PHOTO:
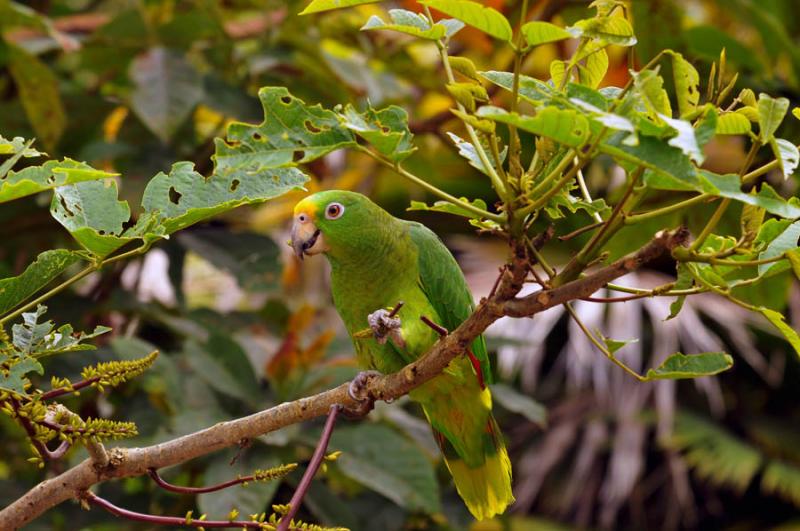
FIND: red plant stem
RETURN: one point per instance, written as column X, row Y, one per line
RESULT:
column 65, row 391
column 177, row 521
column 396, row 308
column 313, row 466
column 40, row 446
column 442, row 331
column 153, row 473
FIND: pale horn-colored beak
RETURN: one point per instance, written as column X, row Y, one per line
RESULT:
column 306, row 238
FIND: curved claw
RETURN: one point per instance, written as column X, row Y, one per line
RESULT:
column 358, row 392
column 386, row 326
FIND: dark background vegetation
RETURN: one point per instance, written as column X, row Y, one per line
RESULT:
column 133, row 86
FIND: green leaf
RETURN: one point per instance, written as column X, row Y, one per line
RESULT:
column 565, row 126
column 379, row 458
column 386, row 129
column 29, row 334
column 558, row 72
column 474, row 14
column 606, row 119
column 777, row 319
column 468, row 151
column 516, row 402
column 538, row 32
column 612, row 30
column 686, row 81
column 668, row 168
column 729, row 186
column 679, row 366
column 614, row 345
column 594, row 69
column 18, row 145
column 38, row 91
column 166, row 90
column 733, row 123
column 530, row 88
column 782, row 478
column 771, row 112
column 184, row 197
column 253, row 498
column 407, row 22
column 750, row 222
column 91, row 212
column 685, row 140
column 787, row 155
column 291, row 133
column 684, row 280
column 785, row 241
column 650, row 87
column 794, row 259
column 463, row 66
column 448, row 207
column 47, row 266
column 49, row 175
column 318, row 6
column 65, row 339
column 14, row 380
column 223, row 364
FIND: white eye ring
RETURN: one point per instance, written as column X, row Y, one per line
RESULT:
column 334, row 211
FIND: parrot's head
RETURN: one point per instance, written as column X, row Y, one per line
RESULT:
column 336, row 222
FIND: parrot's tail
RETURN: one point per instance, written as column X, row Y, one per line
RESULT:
column 485, row 486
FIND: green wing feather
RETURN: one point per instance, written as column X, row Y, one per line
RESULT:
column 443, row 283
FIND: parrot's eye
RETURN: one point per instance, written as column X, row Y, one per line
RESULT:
column 302, row 218
column 334, row 211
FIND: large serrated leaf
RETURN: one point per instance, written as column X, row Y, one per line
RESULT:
column 318, row 6
column 291, row 133
column 474, row 14
column 49, row 175
column 679, row 366
column 47, row 266
column 565, row 126
column 378, row 457
column 386, row 129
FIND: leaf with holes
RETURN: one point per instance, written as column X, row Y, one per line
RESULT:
column 47, row 266
column 407, row 22
column 680, row 366
column 565, row 126
column 539, row 32
column 51, row 174
column 474, row 14
column 386, row 129
column 318, row 6
column 94, row 216
column 291, row 133
column 686, row 81
column 450, row 208
column 14, row 380
column 18, row 145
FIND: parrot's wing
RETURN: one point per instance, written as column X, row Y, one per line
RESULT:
column 443, row 283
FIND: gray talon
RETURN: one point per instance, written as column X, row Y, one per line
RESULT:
column 358, row 385
column 385, row 327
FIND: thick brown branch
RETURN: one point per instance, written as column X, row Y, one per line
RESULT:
column 126, row 462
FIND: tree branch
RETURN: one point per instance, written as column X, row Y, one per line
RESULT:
column 127, row 462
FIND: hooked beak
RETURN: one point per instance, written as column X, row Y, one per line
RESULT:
column 306, row 238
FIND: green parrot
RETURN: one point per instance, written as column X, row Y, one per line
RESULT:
column 378, row 260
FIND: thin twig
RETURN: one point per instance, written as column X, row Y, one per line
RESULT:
column 442, row 331
column 313, row 466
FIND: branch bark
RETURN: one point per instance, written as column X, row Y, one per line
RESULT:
column 127, row 462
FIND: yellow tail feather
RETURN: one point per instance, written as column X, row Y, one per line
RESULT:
column 486, row 490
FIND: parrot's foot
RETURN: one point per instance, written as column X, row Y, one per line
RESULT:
column 386, row 326
column 358, row 392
